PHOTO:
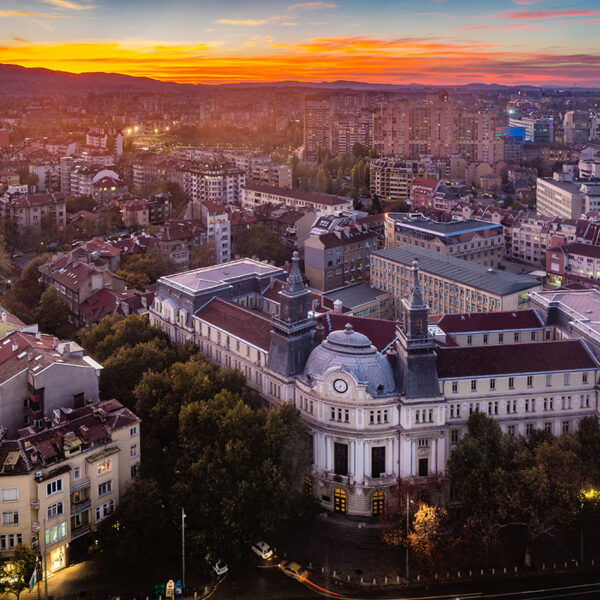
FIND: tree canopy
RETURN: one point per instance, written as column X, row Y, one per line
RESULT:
column 263, row 242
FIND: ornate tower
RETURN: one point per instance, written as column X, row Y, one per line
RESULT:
column 416, row 346
column 293, row 331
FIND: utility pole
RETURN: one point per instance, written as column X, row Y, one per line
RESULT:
column 45, row 559
column 407, row 527
column 183, row 549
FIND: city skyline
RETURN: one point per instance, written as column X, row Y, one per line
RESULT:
column 439, row 42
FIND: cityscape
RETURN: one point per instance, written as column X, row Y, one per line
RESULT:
column 299, row 301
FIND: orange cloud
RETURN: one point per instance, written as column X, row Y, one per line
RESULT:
column 312, row 5
column 22, row 13
column 401, row 60
column 547, row 14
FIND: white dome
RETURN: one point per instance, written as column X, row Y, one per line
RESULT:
column 353, row 352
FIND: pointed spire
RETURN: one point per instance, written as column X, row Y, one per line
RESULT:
column 417, row 294
column 294, row 283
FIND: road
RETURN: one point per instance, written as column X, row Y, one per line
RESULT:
column 270, row 583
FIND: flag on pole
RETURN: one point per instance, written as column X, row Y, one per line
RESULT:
column 33, row 580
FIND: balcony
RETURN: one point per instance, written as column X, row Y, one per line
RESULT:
column 35, row 526
column 35, row 413
column 384, row 479
column 80, row 507
column 35, row 504
column 81, row 484
column 77, row 532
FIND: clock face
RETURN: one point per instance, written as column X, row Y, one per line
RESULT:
column 340, row 386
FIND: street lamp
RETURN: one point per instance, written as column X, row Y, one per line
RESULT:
column 183, row 515
column 408, row 503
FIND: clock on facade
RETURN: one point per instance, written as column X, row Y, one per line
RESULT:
column 340, row 386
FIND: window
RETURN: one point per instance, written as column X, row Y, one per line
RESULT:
column 10, row 517
column 548, row 427
column 492, row 384
column 493, row 408
column 53, row 487
column 423, row 467
column 10, row 494
column 565, row 426
column 584, row 378
column 529, row 380
column 308, row 486
column 473, row 385
column 133, row 431
column 104, row 466
column 566, row 378
column 511, row 430
column 516, row 336
column 511, row 383
column 134, row 471
column 455, row 387
column 56, row 509
column 533, row 336
column 9, row 541
column 500, row 338
column 528, row 429
column 56, row 533
column 454, row 436
column 378, row 503
column 133, row 451
column 548, row 380
column 332, row 414
column 104, row 510
column 469, row 339
column 485, row 338
column 105, row 488
column 339, row 501
column 76, row 473
column 423, row 442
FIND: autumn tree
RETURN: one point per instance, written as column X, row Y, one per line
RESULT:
column 427, row 539
column 16, row 573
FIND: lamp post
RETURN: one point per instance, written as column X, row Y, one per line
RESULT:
column 183, row 548
column 407, row 527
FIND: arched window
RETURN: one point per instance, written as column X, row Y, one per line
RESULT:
column 308, row 489
column 339, row 501
column 378, row 503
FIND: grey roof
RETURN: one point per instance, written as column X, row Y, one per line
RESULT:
column 217, row 275
column 443, row 229
column 355, row 294
column 353, row 352
column 500, row 283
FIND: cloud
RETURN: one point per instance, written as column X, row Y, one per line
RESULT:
column 504, row 27
column 68, row 4
column 399, row 60
column 20, row 40
column 244, row 22
column 22, row 13
column 547, row 14
column 526, row 2
column 312, row 5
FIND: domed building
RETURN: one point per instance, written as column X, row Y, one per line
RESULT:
column 384, row 402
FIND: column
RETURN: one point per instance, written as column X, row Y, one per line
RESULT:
column 396, row 467
column 367, row 459
column 413, row 457
column 434, row 455
column 389, row 458
column 360, row 468
column 351, row 451
column 329, row 465
column 441, row 454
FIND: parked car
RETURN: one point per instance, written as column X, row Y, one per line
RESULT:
column 219, row 566
column 263, row 550
column 293, row 570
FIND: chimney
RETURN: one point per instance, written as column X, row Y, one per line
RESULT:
column 4, row 316
column 66, row 353
column 14, row 347
column 38, row 335
column 337, row 306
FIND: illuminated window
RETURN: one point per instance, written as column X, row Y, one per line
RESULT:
column 308, row 488
column 104, row 466
column 378, row 503
column 339, row 501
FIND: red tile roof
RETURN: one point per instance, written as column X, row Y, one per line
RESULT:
column 238, row 321
column 582, row 249
column 310, row 197
column 477, row 361
column 521, row 319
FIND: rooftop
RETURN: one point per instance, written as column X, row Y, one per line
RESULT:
column 500, row 283
column 498, row 321
column 200, row 280
column 354, row 295
column 441, row 228
column 311, row 197
column 580, row 249
column 477, row 361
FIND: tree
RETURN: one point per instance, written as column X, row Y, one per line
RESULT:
column 16, row 573
column 104, row 338
column 427, row 540
column 52, row 315
column 203, row 256
column 80, row 203
column 140, row 270
column 262, row 242
column 126, row 536
column 321, row 182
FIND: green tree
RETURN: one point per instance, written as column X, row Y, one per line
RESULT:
column 321, row 182
column 16, row 573
column 126, row 536
column 52, row 315
column 262, row 242
column 80, row 203
column 140, row 270
column 112, row 333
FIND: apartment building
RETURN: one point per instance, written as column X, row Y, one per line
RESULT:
column 339, row 257
column 178, row 240
column 215, row 182
column 538, row 131
column 136, row 213
column 40, row 374
column 451, row 285
column 477, row 241
column 254, row 194
column 391, row 179
column 574, row 263
column 218, row 229
column 60, row 480
column 84, row 175
column 34, row 210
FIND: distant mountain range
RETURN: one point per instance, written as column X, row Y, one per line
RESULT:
column 31, row 81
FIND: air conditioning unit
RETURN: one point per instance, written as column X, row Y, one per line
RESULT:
column 38, row 474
